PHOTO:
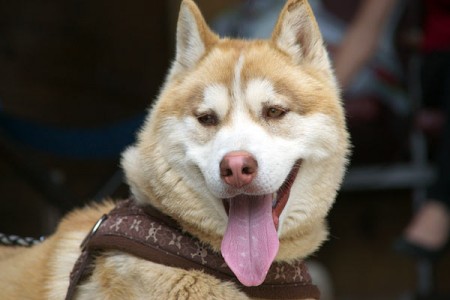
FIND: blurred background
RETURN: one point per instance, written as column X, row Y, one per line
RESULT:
column 76, row 78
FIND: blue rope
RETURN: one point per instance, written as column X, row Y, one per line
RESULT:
column 103, row 142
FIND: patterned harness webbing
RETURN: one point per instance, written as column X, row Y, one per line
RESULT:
column 148, row 234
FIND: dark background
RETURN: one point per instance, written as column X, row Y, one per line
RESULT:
column 85, row 64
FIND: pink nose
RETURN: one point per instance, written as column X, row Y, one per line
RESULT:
column 238, row 168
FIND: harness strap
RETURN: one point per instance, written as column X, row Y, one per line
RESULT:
column 148, row 234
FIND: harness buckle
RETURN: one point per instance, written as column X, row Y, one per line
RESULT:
column 93, row 231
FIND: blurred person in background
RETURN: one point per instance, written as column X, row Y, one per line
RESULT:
column 427, row 234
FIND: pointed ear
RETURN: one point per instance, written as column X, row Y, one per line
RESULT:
column 297, row 34
column 193, row 37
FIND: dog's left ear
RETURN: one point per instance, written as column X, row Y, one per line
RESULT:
column 298, row 34
column 194, row 37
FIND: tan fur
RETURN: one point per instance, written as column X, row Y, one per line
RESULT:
column 295, row 62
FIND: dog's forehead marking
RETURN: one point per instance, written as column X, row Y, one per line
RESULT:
column 254, row 92
column 236, row 88
column 240, row 95
column 260, row 91
column 216, row 97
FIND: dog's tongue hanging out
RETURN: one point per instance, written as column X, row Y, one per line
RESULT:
column 250, row 243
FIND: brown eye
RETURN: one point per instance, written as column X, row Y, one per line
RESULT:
column 208, row 119
column 274, row 112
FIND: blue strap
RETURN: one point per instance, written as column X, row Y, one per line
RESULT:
column 102, row 142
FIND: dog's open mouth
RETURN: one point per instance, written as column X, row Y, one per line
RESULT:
column 250, row 243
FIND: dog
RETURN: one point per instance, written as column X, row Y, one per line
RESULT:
column 245, row 148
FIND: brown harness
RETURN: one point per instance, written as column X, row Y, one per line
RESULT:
column 148, row 234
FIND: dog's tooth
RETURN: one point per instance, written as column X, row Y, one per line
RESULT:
column 274, row 201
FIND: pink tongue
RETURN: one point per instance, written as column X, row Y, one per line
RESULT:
column 251, row 242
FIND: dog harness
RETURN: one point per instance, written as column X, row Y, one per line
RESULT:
column 147, row 233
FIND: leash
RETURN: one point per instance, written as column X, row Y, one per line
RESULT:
column 15, row 240
column 147, row 233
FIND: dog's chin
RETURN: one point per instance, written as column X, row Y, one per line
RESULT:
column 279, row 198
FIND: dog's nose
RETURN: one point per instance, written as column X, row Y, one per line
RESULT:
column 238, row 168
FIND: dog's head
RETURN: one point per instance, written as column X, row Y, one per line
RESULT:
column 246, row 144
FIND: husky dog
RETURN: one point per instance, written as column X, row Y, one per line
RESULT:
column 245, row 147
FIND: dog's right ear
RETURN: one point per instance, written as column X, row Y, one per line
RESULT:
column 194, row 37
column 298, row 34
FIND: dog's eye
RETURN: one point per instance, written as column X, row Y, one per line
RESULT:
column 274, row 112
column 208, row 119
